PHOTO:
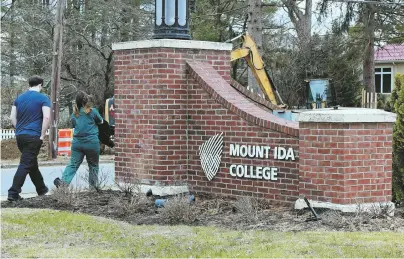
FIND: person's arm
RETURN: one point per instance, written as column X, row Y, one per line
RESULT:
column 45, row 120
column 13, row 116
column 73, row 120
column 97, row 117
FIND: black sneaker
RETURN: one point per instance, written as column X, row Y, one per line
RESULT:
column 57, row 182
column 11, row 198
column 45, row 191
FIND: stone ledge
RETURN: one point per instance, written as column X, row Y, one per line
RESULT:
column 223, row 93
column 350, row 208
column 170, row 43
column 253, row 96
column 346, row 115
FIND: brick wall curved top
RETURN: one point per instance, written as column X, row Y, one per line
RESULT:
column 225, row 94
column 253, row 96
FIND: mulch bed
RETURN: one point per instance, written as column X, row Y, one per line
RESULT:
column 219, row 212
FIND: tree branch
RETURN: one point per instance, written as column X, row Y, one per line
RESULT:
column 90, row 44
column 9, row 9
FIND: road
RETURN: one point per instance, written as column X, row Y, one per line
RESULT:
column 49, row 173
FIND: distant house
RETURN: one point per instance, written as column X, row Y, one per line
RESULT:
column 389, row 60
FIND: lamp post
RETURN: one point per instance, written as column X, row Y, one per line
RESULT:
column 172, row 19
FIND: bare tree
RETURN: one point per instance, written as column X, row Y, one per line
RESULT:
column 302, row 21
column 373, row 17
column 90, row 29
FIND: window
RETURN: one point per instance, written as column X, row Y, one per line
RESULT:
column 383, row 80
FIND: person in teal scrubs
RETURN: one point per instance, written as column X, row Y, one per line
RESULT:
column 85, row 142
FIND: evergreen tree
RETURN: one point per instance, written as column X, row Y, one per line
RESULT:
column 398, row 141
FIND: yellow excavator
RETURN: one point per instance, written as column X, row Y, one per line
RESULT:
column 250, row 53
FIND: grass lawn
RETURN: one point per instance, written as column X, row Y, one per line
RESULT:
column 48, row 233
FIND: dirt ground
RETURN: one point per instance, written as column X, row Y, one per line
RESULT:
column 208, row 210
column 9, row 150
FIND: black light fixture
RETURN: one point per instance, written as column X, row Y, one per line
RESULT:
column 171, row 19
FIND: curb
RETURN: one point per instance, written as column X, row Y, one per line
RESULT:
column 53, row 163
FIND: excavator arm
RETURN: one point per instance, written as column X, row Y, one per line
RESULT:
column 250, row 53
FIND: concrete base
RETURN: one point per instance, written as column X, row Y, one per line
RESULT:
column 164, row 190
column 374, row 207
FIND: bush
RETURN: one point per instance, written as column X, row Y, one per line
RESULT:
column 65, row 195
column 398, row 140
column 128, row 205
column 248, row 207
column 178, row 210
column 129, row 186
column 96, row 182
column 383, row 102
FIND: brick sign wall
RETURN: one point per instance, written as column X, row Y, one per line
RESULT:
column 345, row 163
column 151, row 95
column 177, row 117
column 215, row 107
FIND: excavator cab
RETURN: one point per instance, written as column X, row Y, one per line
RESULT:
column 250, row 53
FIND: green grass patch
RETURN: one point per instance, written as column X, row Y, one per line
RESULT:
column 48, row 233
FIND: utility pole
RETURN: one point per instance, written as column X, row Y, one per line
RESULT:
column 254, row 28
column 55, row 85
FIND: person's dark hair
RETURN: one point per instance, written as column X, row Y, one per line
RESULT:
column 82, row 100
column 35, row 80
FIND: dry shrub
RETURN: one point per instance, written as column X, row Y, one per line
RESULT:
column 128, row 205
column 65, row 195
column 334, row 218
column 99, row 182
column 381, row 210
column 217, row 205
column 133, row 200
column 129, row 186
column 178, row 209
column 248, row 207
column 360, row 219
column 364, row 215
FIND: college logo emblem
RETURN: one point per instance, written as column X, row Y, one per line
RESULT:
column 210, row 153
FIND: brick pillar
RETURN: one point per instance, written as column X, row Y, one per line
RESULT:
column 346, row 155
column 151, row 95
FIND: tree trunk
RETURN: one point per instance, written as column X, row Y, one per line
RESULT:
column 254, row 28
column 302, row 23
column 13, row 58
column 369, row 57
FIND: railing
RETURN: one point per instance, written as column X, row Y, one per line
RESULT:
column 10, row 133
column 369, row 100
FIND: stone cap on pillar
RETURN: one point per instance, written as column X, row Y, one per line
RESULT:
column 172, row 43
column 346, row 115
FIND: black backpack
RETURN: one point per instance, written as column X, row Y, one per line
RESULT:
column 104, row 134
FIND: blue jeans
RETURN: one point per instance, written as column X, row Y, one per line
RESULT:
column 92, row 152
